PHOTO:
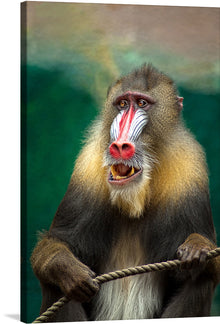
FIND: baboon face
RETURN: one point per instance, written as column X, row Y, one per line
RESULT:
column 125, row 153
column 141, row 109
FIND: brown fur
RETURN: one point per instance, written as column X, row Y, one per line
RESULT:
column 89, row 170
column 57, row 266
column 180, row 167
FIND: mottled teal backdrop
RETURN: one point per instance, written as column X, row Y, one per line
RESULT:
column 71, row 53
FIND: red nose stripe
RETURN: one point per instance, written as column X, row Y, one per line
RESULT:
column 122, row 148
column 125, row 124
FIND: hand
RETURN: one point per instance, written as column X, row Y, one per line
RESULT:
column 54, row 263
column 73, row 277
column 194, row 251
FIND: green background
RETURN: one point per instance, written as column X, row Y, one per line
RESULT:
column 71, row 53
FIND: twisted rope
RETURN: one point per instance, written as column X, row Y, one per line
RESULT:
column 167, row 265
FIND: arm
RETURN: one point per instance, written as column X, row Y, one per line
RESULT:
column 54, row 264
column 198, row 279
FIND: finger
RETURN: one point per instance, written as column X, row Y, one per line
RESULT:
column 92, row 285
column 193, row 258
column 185, row 255
column 179, row 253
column 88, row 270
column 88, row 288
column 203, row 255
column 186, row 261
column 92, row 274
column 80, row 293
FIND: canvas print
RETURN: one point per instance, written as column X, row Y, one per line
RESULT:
column 120, row 162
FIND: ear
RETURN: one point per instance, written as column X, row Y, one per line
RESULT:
column 180, row 102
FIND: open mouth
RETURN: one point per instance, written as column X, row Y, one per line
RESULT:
column 121, row 173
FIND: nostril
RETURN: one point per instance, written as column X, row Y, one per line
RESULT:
column 114, row 150
column 122, row 150
column 127, row 150
column 115, row 147
column 125, row 147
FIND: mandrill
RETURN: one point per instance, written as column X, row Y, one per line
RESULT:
column 138, row 194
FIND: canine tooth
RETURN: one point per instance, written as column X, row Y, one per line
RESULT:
column 113, row 171
column 131, row 172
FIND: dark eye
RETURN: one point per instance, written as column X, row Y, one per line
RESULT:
column 142, row 103
column 123, row 104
